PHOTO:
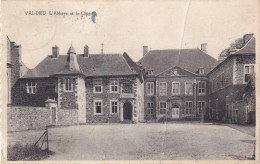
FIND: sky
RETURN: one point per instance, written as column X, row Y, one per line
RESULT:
column 126, row 26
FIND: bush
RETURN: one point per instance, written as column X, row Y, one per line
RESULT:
column 27, row 152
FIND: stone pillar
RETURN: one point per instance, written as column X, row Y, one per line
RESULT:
column 121, row 111
column 52, row 105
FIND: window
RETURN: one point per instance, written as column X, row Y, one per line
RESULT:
column 97, row 86
column 248, row 70
column 149, row 88
column 150, row 72
column 188, row 89
column 114, row 106
column 149, row 108
column 201, row 70
column 114, row 86
column 188, row 107
column 162, row 107
column 227, row 102
column 31, row 87
column 163, row 89
column 202, row 87
column 68, row 84
column 175, row 88
column 201, row 106
column 97, row 107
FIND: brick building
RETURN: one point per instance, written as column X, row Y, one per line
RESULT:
column 80, row 88
column 228, row 82
column 176, row 85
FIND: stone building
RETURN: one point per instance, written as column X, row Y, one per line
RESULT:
column 228, row 82
column 176, row 84
column 80, row 88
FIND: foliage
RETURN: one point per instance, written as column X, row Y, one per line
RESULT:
column 27, row 152
column 235, row 45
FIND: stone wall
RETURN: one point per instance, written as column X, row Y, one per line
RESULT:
column 225, row 69
column 105, row 96
column 67, row 116
column 23, row 117
column 67, row 100
column 239, row 69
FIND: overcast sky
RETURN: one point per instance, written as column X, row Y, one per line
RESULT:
column 127, row 26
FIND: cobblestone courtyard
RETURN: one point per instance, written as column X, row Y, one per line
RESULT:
column 153, row 141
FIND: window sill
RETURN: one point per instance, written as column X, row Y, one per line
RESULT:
column 98, row 114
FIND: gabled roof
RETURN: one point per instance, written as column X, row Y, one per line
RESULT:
column 248, row 48
column 188, row 59
column 94, row 65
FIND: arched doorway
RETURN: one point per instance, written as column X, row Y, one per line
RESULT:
column 175, row 111
column 127, row 113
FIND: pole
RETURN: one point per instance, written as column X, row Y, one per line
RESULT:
column 47, row 138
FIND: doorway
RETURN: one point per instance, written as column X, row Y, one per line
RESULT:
column 175, row 111
column 127, row 113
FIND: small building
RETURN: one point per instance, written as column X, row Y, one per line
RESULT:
column 228, row 82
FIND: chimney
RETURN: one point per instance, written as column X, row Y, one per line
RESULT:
column 86, row 51
column 145, row 50
column 204, row 47
column 55, row 51
column 247, row 37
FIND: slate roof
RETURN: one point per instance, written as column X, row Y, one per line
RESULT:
column 188, row 59
column 94, row 65
column 248, row 49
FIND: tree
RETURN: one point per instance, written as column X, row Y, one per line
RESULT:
column 235, row 45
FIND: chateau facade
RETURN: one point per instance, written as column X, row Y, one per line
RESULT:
column 163, row 84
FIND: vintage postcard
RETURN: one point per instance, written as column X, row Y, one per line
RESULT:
column 130, row 81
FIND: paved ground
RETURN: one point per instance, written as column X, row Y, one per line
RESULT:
column 153, row 141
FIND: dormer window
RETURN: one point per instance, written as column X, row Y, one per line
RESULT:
column 31, row 87
column 150, row 72
column 201, row 70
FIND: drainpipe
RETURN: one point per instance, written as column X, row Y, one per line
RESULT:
column 195, row 96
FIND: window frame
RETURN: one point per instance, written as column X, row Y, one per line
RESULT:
column 160, row 94
column 176, row 82
column 204, row 93
column 111, row 106
column 190, row 109
column 152, row 90
column 165, row 109
column 244, row 74
column 94, row 105
column 110, row 85
column 150, row 108
column 65, row 84
column 94, row 85
column 186, row 94
column 29, row 88
column 198, row 112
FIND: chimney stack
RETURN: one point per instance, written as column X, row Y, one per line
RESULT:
column 145, row 50
column 247, row 37
column 55, row 51
column 204, row 47
column 86, row 51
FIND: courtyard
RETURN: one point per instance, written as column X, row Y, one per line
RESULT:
column 145, row 141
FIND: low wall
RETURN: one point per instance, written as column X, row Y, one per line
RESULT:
column 24, row 118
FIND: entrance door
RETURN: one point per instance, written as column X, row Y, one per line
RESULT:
column 53, row 115
column 175, row 111
column 127, row 113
